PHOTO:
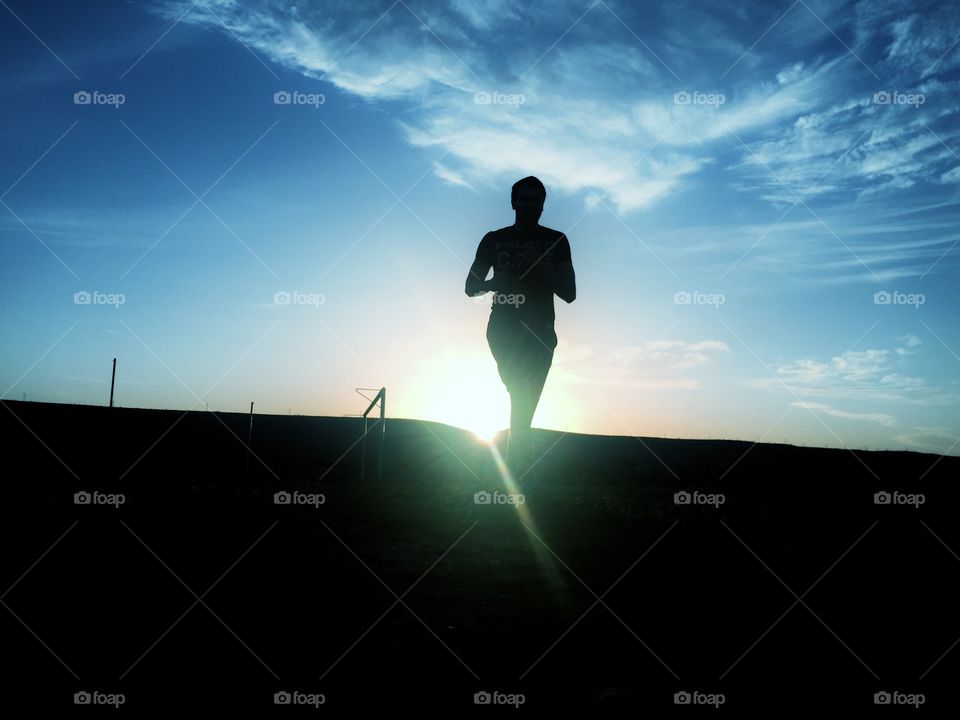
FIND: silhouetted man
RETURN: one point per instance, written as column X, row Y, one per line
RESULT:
column 530, row 264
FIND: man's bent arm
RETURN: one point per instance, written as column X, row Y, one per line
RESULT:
column 475, row 284
column 565, row 283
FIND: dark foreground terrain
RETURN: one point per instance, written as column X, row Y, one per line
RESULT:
column 782, row 584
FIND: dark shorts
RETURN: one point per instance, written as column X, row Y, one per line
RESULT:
column 523, row 353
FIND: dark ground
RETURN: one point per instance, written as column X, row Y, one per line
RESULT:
column 297, row 598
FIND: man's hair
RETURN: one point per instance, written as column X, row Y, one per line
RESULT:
column 529, row 181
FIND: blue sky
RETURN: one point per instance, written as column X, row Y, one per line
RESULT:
column 761, row 201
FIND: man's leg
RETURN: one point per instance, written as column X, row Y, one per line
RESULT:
column 524, row 398
column 521, row 418
column 505, row 344
column 523, row 361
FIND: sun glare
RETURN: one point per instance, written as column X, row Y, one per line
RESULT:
column 465, row 391
column 484, row 411
column 486, row 435
column 472, row 398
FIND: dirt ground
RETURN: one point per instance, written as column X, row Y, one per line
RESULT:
column 784, row 582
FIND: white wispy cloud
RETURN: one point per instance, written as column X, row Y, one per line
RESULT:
column 451, row 176
column 653, row 365
column 485, row 14
column 881, row 418
column 853, row 244
column 874, row 375
column 936, row 438
column 919, row 43
column 951, row 176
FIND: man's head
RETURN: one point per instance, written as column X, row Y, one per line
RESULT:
column 527, row 197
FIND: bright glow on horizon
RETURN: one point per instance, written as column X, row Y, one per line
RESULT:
column 464, row 390
column 486, row 436
column 461, row 390
column 466, row 401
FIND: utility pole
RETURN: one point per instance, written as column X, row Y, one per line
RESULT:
column 113, row 378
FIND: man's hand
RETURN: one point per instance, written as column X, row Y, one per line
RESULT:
column 475, row 283
column 502, row 283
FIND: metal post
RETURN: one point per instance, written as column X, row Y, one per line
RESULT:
column 246, row 461
column 380, row 397
column 113, row 377
column 383, row 430
column 363, row 451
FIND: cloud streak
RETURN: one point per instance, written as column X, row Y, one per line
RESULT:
column 877, row 375
column 653, row 365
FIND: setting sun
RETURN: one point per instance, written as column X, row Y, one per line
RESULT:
column 464, row 391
